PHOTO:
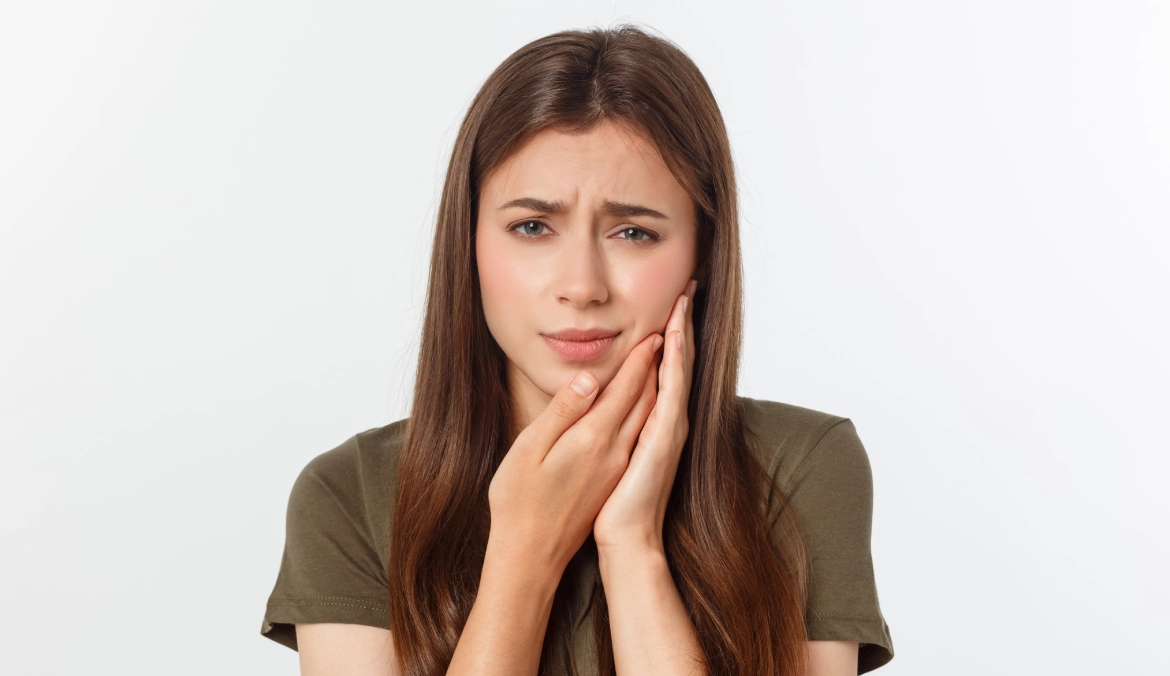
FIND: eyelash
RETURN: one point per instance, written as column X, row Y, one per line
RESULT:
column 649, row 239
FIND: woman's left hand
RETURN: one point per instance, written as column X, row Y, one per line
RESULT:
column 634, row 512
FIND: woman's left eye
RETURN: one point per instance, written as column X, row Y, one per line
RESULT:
column 640, row 235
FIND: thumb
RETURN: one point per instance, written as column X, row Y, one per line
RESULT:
column 566, row 407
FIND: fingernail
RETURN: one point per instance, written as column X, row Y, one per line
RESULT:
column 691, row 287
column 583, row 384
column 657, row 342
column 686, row 300
column 678, row 339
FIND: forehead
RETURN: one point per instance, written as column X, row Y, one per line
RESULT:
column 606, row 161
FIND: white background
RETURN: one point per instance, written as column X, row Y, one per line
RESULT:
column 214, row 226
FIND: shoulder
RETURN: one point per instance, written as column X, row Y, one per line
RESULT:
column 352, row 483
column 363, row 459
column 774, row 419
column 784, row 436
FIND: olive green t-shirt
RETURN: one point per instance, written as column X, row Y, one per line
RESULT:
column 336, row 550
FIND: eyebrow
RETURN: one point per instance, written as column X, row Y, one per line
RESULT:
column 618, row 209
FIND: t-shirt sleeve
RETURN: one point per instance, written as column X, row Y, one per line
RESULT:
column 330, row 570
column 831, row 494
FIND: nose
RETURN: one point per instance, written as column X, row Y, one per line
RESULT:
column 581, row 279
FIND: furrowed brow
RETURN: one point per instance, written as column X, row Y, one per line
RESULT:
column 543, row 206
column 618, row 209
column 623, row 210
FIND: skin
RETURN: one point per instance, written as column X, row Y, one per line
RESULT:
column 579, row 267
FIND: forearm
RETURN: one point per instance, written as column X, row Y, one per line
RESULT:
column 505, row 631
column 649, row 626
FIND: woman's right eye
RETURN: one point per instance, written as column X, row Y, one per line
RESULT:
column 523, row 228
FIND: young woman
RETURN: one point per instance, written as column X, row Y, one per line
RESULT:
column 578, row 488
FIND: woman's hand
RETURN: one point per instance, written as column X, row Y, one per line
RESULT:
column 565, row 463
column 634, row 512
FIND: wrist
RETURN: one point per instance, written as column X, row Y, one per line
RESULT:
column 639, row 551
column 537, row 571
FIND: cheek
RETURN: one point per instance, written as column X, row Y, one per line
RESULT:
column 652, row 287
column 490, row 272
column 492, row 280
column 502, row 284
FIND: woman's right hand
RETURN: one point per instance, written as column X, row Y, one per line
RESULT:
column 562, row 467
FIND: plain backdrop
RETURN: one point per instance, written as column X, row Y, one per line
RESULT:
column 215, row 220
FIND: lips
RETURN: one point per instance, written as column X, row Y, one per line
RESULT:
column 581, row 334
column 580, row 344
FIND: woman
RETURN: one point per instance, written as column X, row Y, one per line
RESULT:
column 579, row 489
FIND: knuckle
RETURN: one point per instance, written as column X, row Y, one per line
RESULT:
column 590, row 440
column 578, row 439
column 563, row 408
column 595, row 442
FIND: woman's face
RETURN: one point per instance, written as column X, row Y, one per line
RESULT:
column 586, row 231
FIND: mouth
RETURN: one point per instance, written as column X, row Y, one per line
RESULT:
column 580, row 345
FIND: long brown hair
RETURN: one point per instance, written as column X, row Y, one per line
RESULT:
column 744, row 584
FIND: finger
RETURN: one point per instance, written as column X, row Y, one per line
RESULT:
column 566, row 407
column 621, row 393
column 678, row 316
column 632, row 426
column 673, row 393
column 673, row 355
column 677, row 319
column 692, row 288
